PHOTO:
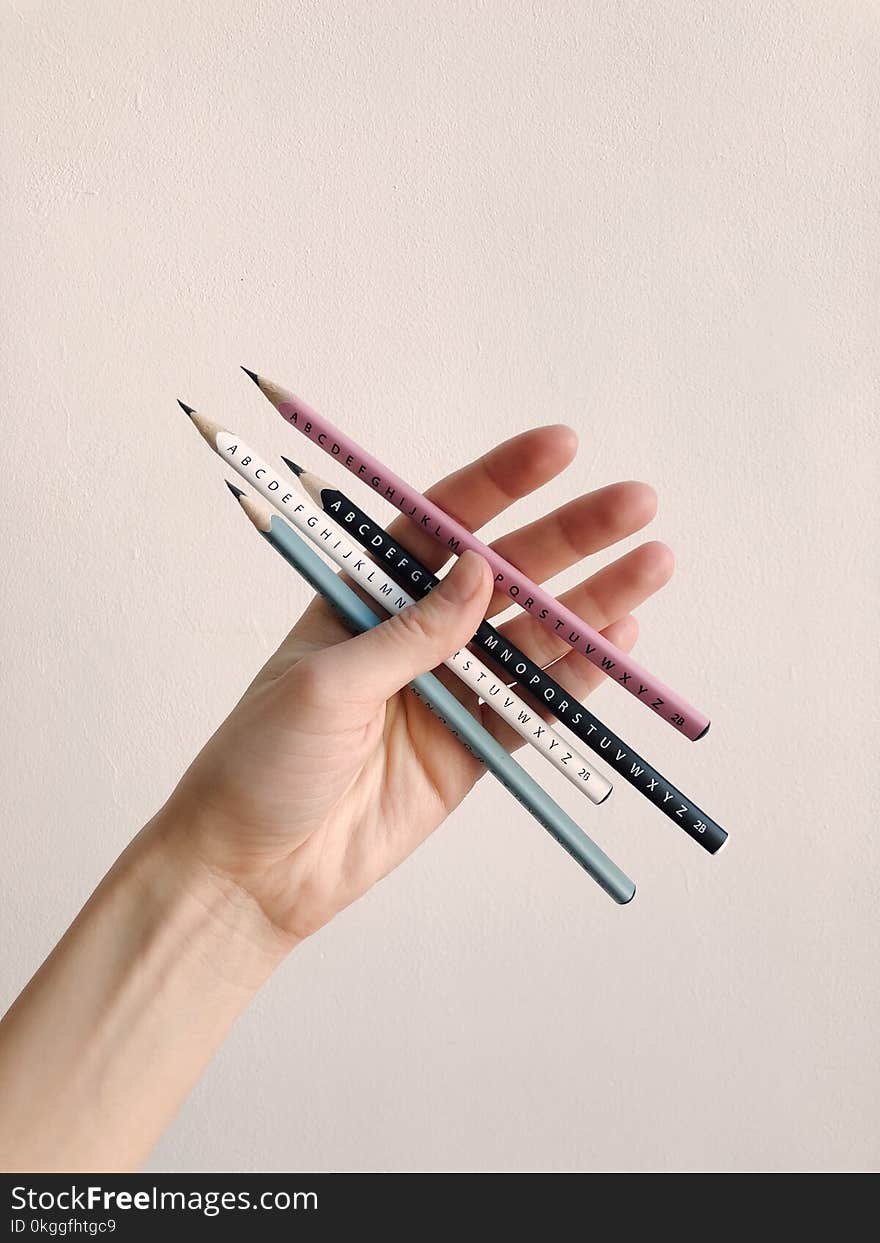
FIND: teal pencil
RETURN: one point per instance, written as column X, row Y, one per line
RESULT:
column 359, row 617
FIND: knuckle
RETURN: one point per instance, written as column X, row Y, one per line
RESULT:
column 414, row 625
column 311, row 677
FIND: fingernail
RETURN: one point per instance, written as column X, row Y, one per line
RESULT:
column 464, row 579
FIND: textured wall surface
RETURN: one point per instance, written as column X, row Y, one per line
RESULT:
column 441, row 223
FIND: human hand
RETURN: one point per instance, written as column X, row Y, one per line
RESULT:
column 323, row 778
column 328, row 772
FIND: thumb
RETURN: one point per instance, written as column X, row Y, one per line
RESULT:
column 377, row 664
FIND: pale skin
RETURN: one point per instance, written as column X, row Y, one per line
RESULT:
column 326, row 775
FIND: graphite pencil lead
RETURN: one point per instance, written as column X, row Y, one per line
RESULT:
column 236, row 492
column 185, row 408
column 253, row 375
column 297, row 470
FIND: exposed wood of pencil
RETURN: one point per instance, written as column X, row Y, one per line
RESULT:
column 258, row 510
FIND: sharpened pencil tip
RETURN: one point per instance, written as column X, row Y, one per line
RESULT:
column 253, row 375
column 185, row 408
column 236, row 492
column 297, row 470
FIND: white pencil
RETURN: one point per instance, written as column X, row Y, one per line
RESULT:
column 332, row 540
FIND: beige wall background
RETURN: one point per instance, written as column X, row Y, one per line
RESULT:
column 441, row 223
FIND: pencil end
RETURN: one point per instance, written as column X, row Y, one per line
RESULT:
column 297, row 470
column 278, row 396
column 206, row 427
column 254, row 507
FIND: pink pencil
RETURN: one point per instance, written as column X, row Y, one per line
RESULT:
column 427, row 516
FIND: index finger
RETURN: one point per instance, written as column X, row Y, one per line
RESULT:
column 478, row 492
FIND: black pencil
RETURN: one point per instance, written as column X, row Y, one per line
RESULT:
column 406, row 570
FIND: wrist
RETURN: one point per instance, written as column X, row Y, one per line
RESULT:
column 214, row 919
column 116, row 1027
